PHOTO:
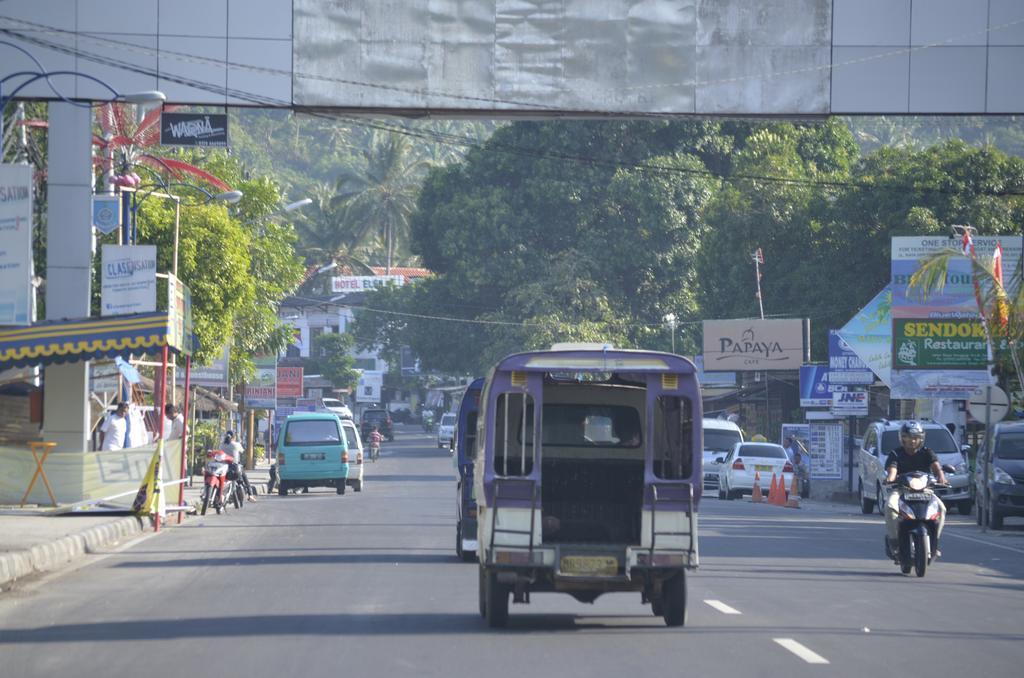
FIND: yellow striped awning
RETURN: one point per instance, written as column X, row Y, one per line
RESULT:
column 64, row 341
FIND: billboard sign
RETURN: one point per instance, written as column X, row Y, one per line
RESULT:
column 194, row 129
column 214, row 375
column 370, row 386
column 179, row 315
column 844, row 365
column 869, row 335
column 938, row 346
column 850, row 404
column 262, row 392
column 15, row 244
column 289, row 382
column 815, row 389
column 363, row 283
column 753, row 345
column 128, row 279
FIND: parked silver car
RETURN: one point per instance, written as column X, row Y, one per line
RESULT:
column 883, row 436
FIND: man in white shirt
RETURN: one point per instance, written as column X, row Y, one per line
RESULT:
column 115, row 428
column 174, row 423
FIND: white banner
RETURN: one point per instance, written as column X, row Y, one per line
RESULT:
column 129, row 279
column 15, row 244
column 826, row 448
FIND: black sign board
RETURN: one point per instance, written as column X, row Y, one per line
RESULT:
column 194, row 129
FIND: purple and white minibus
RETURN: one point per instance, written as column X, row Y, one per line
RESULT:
column 588, row 477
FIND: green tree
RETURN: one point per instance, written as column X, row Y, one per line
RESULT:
column 331, row 358
column 554, row 245
column 380, row 195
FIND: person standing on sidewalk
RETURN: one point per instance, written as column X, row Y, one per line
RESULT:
column 115, row 428
column 235, row 449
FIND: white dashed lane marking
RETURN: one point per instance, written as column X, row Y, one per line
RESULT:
column 808, row 655
column 722, row 607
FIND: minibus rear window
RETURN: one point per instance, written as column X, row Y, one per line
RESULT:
column 312, row 432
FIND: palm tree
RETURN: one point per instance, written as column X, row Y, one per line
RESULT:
column 1000, row 303
column 379, row 198
column 126, row 144
column 326, row 237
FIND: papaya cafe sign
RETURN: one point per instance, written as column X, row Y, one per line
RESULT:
column 747, row 345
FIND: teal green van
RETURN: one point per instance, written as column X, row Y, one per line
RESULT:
column 312, row 451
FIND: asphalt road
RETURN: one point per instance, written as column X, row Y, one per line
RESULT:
column 367, row 584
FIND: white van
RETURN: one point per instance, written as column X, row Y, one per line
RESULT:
column 719, row 437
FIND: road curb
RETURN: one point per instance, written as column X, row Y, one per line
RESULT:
column 62, row 552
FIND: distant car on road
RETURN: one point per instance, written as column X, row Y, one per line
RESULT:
column 355, row 454
column 720, row 435
column 1006, row 475
column 379, row 418
column 312, row 451
column 736, row 476
column 338, row 407
column 446, row 429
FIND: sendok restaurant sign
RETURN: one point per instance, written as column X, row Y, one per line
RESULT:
column 753, row 345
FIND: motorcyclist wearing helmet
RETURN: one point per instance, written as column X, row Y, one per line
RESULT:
column 910, row 456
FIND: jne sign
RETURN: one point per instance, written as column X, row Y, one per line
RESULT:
column 850, row 403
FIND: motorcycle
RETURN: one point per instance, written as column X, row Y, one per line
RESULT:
column 917, row 522
column 218, row 488
column 428, row 421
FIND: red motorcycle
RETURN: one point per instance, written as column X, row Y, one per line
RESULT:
column 216, row 484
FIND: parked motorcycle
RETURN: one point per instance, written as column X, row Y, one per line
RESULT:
column 917, row 521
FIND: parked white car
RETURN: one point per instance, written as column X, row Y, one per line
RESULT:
column 736, row 476
column 720, row 436
column 355, row 454
column 446, row 429
column 338, row 407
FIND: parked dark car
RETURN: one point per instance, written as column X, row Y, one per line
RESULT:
column 1006, row 475
column 379, row 418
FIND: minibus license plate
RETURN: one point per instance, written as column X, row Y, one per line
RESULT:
column 589, row 566
column 313, row 456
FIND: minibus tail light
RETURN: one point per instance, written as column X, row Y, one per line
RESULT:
column 359, row 457
column 344, row 457
column 738, row 465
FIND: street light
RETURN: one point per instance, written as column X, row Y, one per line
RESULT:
column 670, row 320
column 298, row 204
column 162, row 189
column 144, row 97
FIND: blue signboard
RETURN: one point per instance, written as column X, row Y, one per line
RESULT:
column 106, row 212
column 845, row 366
column 815, row 390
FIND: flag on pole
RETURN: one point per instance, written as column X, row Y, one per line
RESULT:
column 1002, row 310
column 149, row 499
column 967, row 244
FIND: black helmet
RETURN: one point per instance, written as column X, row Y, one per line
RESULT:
column 912, row 429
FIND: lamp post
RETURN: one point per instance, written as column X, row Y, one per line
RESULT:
column 670, row 320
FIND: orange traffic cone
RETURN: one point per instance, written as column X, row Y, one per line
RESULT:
column 756, row 495
column 773, row 491
column 780, row 492
column 794, row 494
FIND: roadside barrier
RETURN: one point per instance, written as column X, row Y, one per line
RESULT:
column 756, row 495
column 794, row 494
